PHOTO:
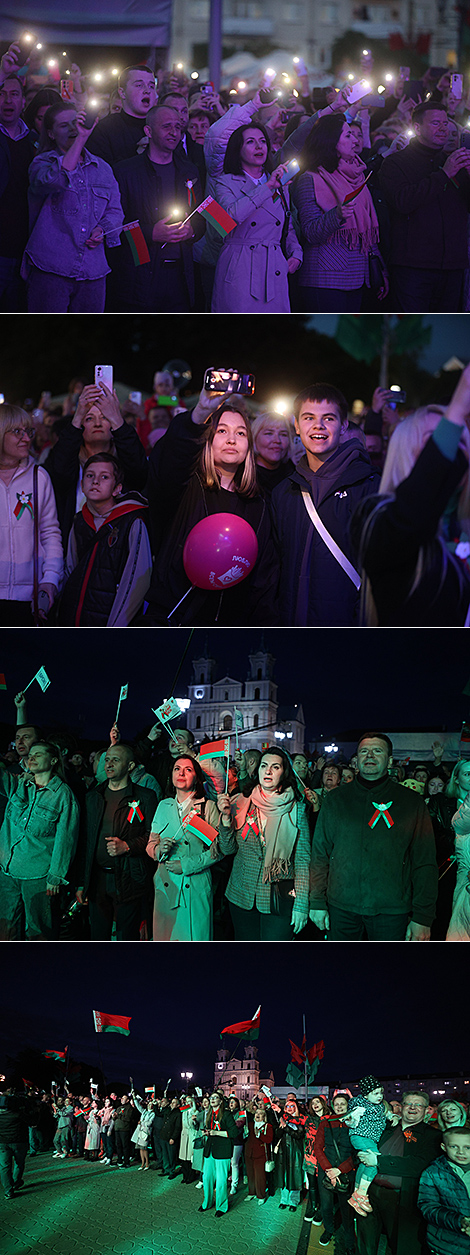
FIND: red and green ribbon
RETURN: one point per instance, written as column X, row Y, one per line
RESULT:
column 23, row 503
column 134, row 810
column 381, row 812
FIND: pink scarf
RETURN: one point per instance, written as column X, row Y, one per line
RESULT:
column 331, row 190
column 280, row 830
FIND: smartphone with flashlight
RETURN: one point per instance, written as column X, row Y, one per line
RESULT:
column 207, row 89
column 358, row 91
column 456, row 83
column 267, row 95
column 465, row 140
column 104, row 375
column 26, row 43
column 228, row 380
column 292, row 168
column 396, row 397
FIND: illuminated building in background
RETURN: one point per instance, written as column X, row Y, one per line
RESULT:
column 214, row 703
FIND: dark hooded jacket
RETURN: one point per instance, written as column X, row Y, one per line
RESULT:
column 314, row 590
column 428, row 212
column 90, row 590
column 63, row 466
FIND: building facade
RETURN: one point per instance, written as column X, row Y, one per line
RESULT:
column 214, row 703
column 240, row 1076
column 309, row 28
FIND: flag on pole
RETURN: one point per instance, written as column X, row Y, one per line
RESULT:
column 215, row 749
column 248, row 1029
column 135, row 238
column 42, row 679
column 168, row 710
column 56, row 1054
column 238, row 718
column 217, row 216
column 297, row 1052
column 111, row 1023
column 122, row 697
column 201, row 829
column 2, row 682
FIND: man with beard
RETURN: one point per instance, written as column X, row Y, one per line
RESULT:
column 312, row 509
column 403, row 1154
column 374, row 869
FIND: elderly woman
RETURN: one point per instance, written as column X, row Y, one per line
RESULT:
column 74, row 207
column 415, row 578
column 31, row 565
column 337, row 222
column 262, row 250
column 273, row 438
column 220, row 1132
column 269, row 834
column 97, row 427
column 258, row 1153
column 183, row 883
column 203, row 466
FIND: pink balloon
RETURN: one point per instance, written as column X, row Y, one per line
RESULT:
column 220, row 551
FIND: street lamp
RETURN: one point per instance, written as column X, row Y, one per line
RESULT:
column 187, row 1076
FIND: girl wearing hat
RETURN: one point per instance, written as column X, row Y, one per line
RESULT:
column 367, row 1117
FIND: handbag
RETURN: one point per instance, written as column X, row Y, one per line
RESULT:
column 342, row 1182
column 269, row 1164
column 377, row 273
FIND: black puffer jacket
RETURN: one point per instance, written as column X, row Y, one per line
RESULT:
column 314, row 590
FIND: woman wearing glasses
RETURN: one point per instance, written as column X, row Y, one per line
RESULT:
column 31, row 556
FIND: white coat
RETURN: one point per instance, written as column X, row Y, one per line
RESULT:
column 17, row 534
column 183, row 900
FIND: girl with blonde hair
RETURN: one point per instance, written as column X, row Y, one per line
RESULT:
column 416, row 576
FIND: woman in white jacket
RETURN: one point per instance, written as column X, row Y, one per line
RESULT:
column 17, row 495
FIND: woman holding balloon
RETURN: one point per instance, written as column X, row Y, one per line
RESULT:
column 216, row 561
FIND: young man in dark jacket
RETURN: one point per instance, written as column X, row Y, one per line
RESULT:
column 114, row 871
column 374, row 868
column 428, row 195
column 318, row 585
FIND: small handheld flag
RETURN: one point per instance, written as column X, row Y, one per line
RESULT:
column 122, row 697
column 2, row 682
column 135, row 238
column 217, row 216
column 215, row 749
column 201, row 829
column 42, row 679
column 168, row 710
column 111, row 1023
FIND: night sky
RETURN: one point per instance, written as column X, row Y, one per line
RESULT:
column 282, row 351
column 383, row 1009
column 345, row 680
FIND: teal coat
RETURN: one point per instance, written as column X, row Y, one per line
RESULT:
column 183, row 900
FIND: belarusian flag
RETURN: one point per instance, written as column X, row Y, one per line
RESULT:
column 216, row 215
column 2, row 682
column 248, row 1029
column 111, row 1023
column 215, row 749
column 55, row 1054
column 201, row 829
column 136, row 240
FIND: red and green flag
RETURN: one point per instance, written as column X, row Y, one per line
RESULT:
column 217, row 216
column 201, row 829
column 2, row 682
column 58, row 1055
column 215, row 749
column 136, row 241
column 111, row 1023
column 247, row 1029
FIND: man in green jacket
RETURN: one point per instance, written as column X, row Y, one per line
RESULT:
column 374, row 869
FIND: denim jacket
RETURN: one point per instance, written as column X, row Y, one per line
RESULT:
column 40, row 829
column 64, row 207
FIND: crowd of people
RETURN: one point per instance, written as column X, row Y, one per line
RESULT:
column 405, row 1174
column 309, row 201
column 128, row 514
column 170, row 840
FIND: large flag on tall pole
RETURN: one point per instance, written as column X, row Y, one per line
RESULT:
column 247, row 1029
column 111, row 1023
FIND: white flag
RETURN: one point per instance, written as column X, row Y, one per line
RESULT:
column 168, row 710
column 42, row 679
